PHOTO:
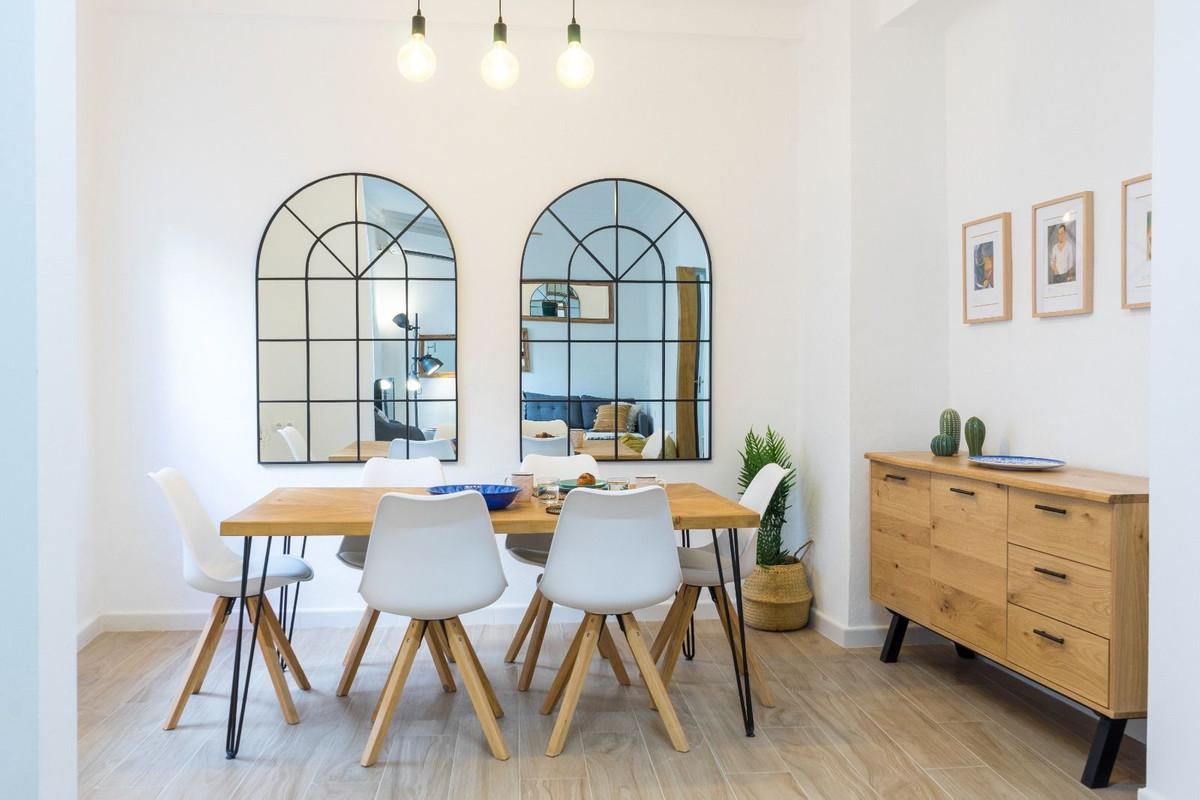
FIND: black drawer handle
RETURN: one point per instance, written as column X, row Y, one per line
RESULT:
column 1062, row 576
column 967, row 492
column 1050, row 636
column 1051, row 509
column 890, row 477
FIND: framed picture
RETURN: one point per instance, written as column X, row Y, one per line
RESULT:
column 1062, row 256
column 579, row 301
column 526, row 356
column 987, row 269
column 1136, row 238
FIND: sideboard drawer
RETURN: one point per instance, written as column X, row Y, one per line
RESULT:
column 902, row 494
column 1079, row 530
column 1065, row 590
column 1069, row 656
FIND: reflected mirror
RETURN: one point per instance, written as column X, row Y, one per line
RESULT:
column 615, row 310
column 357, row 326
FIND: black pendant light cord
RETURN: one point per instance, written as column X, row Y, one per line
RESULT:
column 572, row 12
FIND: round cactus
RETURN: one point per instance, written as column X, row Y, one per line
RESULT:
column 950, row 425
column 974, row 431
column 943, row 445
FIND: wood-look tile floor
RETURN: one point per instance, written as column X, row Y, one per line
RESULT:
column 844, row 726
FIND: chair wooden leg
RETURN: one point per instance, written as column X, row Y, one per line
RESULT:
column 668, row 626
column 675, row 645
column 390, row 697
column 284, row 646
column 535, row 645
column 201, row 655
column 608, row 649
column 435, row 635
column 587, row 649
column 654, row 683
column 362, row 633
column 211, row 650
column 497, row 710
column 266, row 647
column 531, row 611
column 478, row 688
column 729, row 616
column 358, row 646
column 564, row 670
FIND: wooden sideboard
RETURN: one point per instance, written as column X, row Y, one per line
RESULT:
column 1044, row 573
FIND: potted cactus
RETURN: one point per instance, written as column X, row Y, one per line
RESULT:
column 776, row 594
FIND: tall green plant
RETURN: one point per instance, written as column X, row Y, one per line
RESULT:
column 760, row 451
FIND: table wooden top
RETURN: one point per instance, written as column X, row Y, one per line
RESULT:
column 350, row 511
column 602, row 450
column 1069, row 481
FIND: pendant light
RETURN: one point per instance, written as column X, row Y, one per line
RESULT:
column 500, row 69
column 575, row 67
column 416, row 59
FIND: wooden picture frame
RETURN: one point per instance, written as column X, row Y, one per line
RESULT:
column 526, row 355
column 1062, row 290
column 604, row 319
column 1135, row 290
column 978, row 298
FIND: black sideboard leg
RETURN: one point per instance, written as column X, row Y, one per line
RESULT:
column 1105, row 745
column 895, row 638
column 963, row 652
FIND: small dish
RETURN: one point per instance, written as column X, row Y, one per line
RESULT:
column 566, row 486
column 1021, row 463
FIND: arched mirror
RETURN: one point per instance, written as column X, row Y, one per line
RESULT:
column 357, row 326
column 615, row 306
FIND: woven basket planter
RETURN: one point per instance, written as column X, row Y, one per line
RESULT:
column 777, row 598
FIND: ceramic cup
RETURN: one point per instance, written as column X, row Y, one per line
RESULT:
column 643, row 480
column 524, row 482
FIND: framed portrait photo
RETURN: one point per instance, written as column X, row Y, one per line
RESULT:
column 987, row 269
column 1062, row 256
column 1136, row 239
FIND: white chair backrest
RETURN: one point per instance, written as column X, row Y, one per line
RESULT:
column 295, row 442
column 756, row 497
column 654, row 444
column 396, row 472
column 547, row 468
column 431, row 552
column 204, row 554
column 416, row 448
column 552, row 446
column 445, row 430
column 613, row 550
column 554, row 427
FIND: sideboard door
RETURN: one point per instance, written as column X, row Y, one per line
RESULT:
column 900, row 539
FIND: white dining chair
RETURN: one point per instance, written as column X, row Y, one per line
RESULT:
column 445, row 430
column 532, row 549
column 547, row 446
column 699, row 566
column 554, row 427
column 295, row 442
column 441, row 449
column 654, row 444
column 613, row 553
column 211, row 567
column 385, row 473
column 434, row 558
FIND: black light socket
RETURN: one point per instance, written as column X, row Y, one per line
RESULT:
column 573, row 33
column 500, row 31
column 418, row 25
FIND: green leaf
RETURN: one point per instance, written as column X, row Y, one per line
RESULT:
column 759, row 451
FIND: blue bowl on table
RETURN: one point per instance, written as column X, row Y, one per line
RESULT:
column 496, row 495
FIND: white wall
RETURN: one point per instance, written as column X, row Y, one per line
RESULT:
column 202, row 117
column 1174, row 737
column 1043, row 99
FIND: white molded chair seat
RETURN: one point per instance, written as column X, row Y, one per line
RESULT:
column 295, row 442
column 553, row 446
column 389, row 473
column 699, row 565
column 441, row 449
column 211, row 567
column 613, row 553
column 433, row 558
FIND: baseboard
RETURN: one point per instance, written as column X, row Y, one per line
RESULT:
column 1146, row 793
column 868, row 635
column 504, row 614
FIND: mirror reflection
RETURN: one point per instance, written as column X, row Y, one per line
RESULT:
column 616, row 349
column 357, row 326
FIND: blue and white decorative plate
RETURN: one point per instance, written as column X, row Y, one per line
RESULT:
column 1026, row 463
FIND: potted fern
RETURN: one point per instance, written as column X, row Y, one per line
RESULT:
column 776, row 594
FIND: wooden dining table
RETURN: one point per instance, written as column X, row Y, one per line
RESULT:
column 607, row 450
column 350, row 511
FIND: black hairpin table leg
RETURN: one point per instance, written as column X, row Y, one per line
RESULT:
column 1103, row 755
column 237, row 713
column 741, row 673
column 689, row 638
column 287, row 616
